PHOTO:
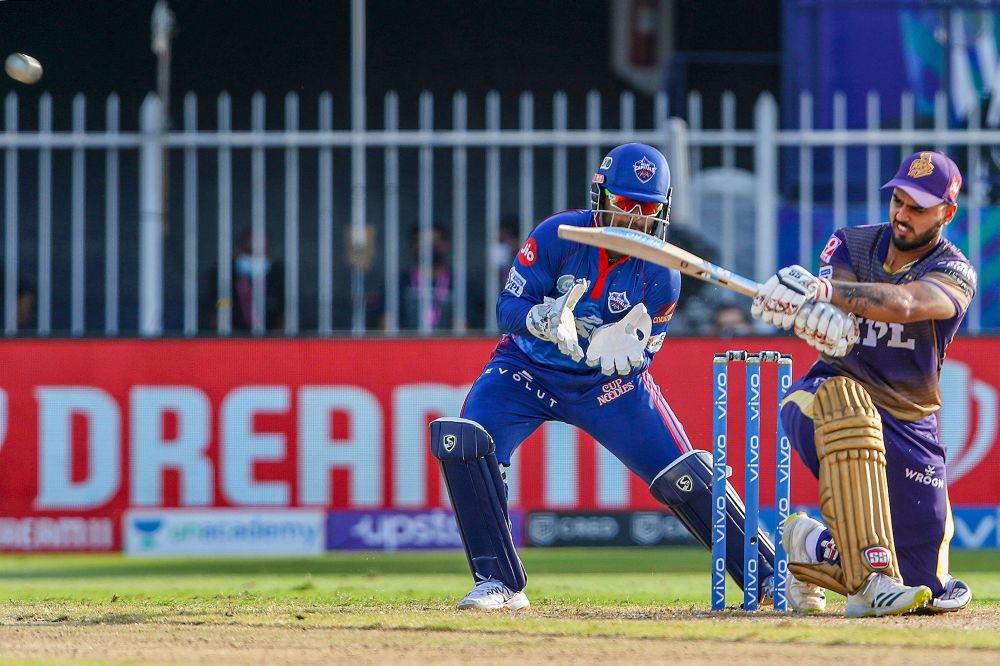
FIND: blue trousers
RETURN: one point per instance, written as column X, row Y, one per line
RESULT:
column 626, row 415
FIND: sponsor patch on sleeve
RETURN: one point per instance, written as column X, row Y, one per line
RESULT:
column 826, row 271
column 664, row 314
column 515, row 282
column 831, row 246
column 960, row 273
column 528, row 253
column 655, row 342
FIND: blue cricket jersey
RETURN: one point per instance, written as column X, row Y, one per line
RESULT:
column 547, row 266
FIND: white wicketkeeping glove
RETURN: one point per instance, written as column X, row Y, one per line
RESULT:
column 553, row 320
column 827, row 328
column 621, row 346
column 778, row 300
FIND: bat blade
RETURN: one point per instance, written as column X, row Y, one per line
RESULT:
column 646, row 247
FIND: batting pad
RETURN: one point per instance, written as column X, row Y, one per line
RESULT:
column 685, row 486
column 824, row 574
column 479, row 499
column 853, row 491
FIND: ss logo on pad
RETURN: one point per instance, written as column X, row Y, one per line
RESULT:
column 450, row 442
column 684, row 483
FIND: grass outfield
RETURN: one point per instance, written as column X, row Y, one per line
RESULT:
column 603, row 594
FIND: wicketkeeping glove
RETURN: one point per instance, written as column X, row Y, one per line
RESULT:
column 553, row 320
column 827, row 328
column 778, row 300
column 621, row 346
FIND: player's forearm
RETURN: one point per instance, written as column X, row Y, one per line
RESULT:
column 889, row 303
column 511, row 313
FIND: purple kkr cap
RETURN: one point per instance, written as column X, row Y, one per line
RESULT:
column 929, row 178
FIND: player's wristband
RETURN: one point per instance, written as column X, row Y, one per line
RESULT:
column 824, row 290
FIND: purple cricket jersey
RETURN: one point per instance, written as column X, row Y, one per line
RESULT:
column 900, row 364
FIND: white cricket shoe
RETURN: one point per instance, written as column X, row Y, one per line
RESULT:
column 494, row 595
column 881, row 595
column 955, row 597
column 802, row 596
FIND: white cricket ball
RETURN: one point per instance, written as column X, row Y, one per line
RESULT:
column 22, row 67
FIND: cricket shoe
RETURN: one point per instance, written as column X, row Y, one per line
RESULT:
column 955, row 597
column 494, row 595
column 883, row 595
column 803, row 597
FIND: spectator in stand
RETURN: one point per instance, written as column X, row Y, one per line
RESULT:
column 437, row 313
column 246, row 268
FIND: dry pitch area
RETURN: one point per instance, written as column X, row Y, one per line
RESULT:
column 545, row 635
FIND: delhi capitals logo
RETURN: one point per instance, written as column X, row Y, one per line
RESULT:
column 618, row 301
column 644, row 170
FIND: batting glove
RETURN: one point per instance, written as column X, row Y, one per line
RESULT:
column 827, row 328
column 778, row 300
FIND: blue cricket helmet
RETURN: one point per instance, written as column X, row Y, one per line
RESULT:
column 635, row 170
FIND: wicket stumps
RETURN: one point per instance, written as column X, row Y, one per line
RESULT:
column 720, row 472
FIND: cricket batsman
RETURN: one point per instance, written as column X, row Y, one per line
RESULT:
column 865, row 420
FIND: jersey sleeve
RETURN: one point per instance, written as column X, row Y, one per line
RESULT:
column 662, row 295
column 531, row 278
column 835, row 256
column 957, row 279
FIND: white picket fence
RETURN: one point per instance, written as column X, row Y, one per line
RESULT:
column 93, row 238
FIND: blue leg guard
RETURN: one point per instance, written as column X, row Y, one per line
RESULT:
column 479, row 499
column 685, row 486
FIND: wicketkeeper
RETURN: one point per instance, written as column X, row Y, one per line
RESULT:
column 582, row 325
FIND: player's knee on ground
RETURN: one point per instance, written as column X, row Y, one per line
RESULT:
column 479, row 499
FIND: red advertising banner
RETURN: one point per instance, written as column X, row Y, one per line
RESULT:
column 91, row 428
